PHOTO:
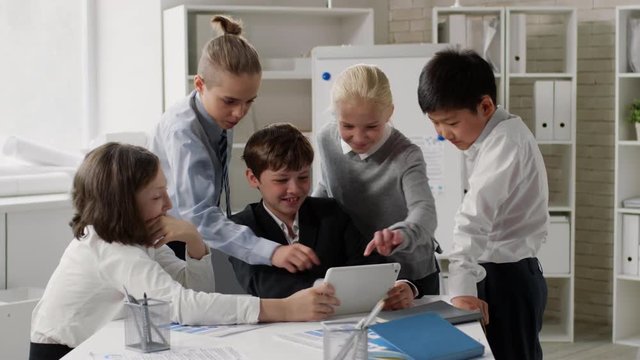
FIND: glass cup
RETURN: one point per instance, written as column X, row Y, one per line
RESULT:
column 342, row 341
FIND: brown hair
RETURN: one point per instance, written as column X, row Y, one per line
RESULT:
column 228, row 51
column 275, row 147
column 104, row 190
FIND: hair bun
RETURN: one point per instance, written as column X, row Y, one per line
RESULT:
column 226, row 25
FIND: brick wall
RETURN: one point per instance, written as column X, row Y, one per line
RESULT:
column 410, row 21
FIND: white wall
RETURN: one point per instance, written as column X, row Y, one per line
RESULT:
column 40, row 82
column 128, row 64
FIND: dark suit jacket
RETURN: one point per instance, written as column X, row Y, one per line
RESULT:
column 324, row 227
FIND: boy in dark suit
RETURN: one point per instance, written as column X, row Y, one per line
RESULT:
column 278, row 162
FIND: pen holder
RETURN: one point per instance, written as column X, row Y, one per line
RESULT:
column 342, row 341
column 146, row 327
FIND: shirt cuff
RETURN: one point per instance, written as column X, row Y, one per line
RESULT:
column 191, row 260
column 462, row 285
column 248, row 309
column 262, row 252
column 414, row 289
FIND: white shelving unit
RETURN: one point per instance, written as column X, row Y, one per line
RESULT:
column 542, row 46
column 283, row 37
column 447, row 28
column 548, row 35
column 626, row 283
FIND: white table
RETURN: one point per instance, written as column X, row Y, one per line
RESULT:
column 260, row 343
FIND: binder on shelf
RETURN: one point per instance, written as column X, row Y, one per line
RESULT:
column 428, row 337
column 562, row 110
column 554, row 254
column 457, row 30
column 630, row 240
column 543, row 110
column 475, row 34
column 518, row 43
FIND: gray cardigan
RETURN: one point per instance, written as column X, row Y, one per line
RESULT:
column 389, row 189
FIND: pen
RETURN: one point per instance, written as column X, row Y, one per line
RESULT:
column 131, row 300
column 362, row 324
column 147, row 320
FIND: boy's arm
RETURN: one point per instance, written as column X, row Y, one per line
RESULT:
column 191, row 171
column 496, row 174
column 262, row 280
column 269, row 282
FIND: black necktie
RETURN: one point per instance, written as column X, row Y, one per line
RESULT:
column 222, row 153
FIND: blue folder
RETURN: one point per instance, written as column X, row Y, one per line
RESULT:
column 428, row 336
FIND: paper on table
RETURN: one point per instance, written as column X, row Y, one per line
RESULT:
column 214, row 330
column 214, row 353
column 39, row 154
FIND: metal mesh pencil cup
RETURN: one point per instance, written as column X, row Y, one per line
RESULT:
column 146, row 327
column 342, row 341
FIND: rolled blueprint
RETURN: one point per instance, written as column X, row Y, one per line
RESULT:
column 39, row 154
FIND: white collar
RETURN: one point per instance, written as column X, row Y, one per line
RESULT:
column 281, row 224
column 385, row 136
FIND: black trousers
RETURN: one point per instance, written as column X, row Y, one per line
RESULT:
column 517, row 295
column 428, row 285
column 47, row 351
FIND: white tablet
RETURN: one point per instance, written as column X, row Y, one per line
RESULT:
column 360, row 287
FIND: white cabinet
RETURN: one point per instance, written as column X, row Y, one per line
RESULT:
column 283, row 37
column 536, row 79
column 35, row 232
column 626, row 282
column 16, row 306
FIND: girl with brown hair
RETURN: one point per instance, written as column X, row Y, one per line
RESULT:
column 121, row 227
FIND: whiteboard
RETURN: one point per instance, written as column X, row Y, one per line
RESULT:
column 402, row 64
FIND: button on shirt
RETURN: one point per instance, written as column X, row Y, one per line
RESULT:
column 188, row 152
column 285, row 229
column 504, row 216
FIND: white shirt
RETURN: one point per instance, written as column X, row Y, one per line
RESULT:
column 385, row 135
column 504, row 215
column 85, row 291
column 281, row 224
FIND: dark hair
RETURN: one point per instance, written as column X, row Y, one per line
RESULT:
column 228, row 51
column 275, row 147
column 104, row 190
column 455, row 79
